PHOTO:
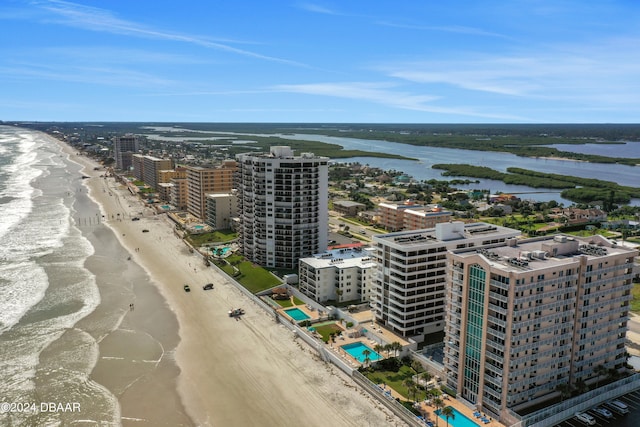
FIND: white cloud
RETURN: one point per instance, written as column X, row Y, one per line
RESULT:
column 315, row 8
column 381, row 93
column 102, row 20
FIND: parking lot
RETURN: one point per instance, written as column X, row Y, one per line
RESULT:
column 632, row 419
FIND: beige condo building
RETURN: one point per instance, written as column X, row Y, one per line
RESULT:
column 525, row 316
column 206, row 180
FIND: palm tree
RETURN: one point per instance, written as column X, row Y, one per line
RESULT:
column 387, row 348
column 366, row 353
column 565, row 390
column 426, row 377
column 448, row 413
column 437, row 402
column 409, row 384
column 599, row 370
column 581, row 386
column 378, row 348
column 396, row 347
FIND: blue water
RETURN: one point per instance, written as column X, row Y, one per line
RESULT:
column 45, row 286
column 357, row 348
column 297, row 314
column 459, row 419
column 428, row 156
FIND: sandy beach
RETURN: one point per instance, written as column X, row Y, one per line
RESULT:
column 227, row 372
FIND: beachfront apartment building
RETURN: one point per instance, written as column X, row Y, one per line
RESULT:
column 179, row 194
column 282, row 206
column 152, row 166
column 396, row 217
column 124, row 147
column 408, row 296
column 207, row 180
column 338, row 275
column 137, row 166
column 221, row 209
column 526, row 316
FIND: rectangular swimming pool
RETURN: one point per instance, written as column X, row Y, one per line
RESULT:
column 458, row 419
column 297, row 314
column 356, row 349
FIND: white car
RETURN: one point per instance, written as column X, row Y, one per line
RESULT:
column 586, row 418
column 602, row 411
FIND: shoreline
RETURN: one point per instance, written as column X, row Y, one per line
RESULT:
column 249, row 372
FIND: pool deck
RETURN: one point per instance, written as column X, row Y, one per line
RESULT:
column 429, row 411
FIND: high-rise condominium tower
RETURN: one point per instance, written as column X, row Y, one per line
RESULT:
column 282, row 205
column 525, row 317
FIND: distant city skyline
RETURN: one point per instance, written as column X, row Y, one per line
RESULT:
column 490, row 61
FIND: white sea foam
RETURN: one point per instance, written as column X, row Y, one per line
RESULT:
column 44, row 287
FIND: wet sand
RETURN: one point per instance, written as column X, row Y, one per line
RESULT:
column 226, row 372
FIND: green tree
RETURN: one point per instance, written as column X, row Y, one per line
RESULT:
column 600, row 371
column 448, row 413
column 437, row 403
column 581, row 386
column 366, row 353
column 565, row 390
column 378, row 348
column 410, row 385
column 426, row 377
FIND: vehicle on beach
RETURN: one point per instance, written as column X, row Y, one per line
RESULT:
column 135, row 218
column 208, row 286
column 236, row 312
column 187, row 288
column 585, row 418
column 145, row 231
column 602, row 411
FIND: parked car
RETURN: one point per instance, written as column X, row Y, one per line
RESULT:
column 586, row 418
column 603, row 412
column 618, row 407
column 145, row 231
column 135, row 218
column 187, row 288
column 208, row 286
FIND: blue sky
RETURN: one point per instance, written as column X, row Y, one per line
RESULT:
column 373, row 61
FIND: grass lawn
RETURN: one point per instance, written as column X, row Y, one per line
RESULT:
column 198, row 240
column 284, row 302
column 326, row 330
column 395, row 379
column 635, row 302
column 287, row 302
column 252, row 277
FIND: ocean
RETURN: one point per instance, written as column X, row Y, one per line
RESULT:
column 45, row 290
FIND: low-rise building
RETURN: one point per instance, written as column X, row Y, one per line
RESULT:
column 221, row 208
column 348, row 207
column 407, row 216
column 338, row 275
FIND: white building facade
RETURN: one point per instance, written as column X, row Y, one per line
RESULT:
column 338, row 275
column 409, row 292
column 282, row 206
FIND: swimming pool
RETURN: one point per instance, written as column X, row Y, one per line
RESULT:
column 297, row 314
column 458, row 419
column 356, row 349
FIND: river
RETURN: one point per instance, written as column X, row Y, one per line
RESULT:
column 421, row 169
column 428, row 156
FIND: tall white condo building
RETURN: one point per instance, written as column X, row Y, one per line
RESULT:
column 282, row 206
